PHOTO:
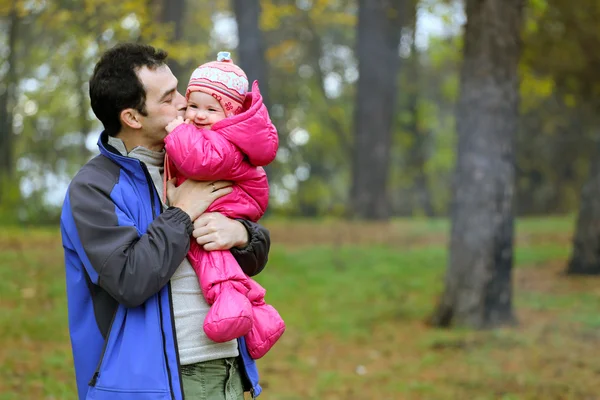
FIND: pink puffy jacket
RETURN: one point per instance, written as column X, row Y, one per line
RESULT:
column 235, row 149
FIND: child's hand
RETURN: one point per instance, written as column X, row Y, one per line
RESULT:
column 174, row 124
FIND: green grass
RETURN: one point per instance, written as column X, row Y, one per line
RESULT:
column 349, row 289
column 355, row 315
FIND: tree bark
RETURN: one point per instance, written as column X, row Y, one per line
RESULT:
column 478, row 290
column 417, row 153
column 7, row 100
column 378, row 37
column 85, row 126
column 173, row 12
column 251, row 47
column 585, row 256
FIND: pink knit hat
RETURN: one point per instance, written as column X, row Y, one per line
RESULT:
column 223, row 80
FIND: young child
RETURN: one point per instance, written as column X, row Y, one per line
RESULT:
column 227, row 135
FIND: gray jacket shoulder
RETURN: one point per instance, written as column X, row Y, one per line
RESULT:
column 99, row 171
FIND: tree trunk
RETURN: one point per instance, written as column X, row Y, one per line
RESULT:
column 85, row 126
column 172, row 12
column 7, row 100
column 378, row 37
column 478, row 291
column 585, row 256
column 417, row 153
column 251, row 47
column 251, row 50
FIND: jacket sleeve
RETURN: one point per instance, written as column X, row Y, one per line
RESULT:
column 253, row 258
column 129, row 265
column 202, row 154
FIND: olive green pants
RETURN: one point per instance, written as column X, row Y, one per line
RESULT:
column 212, row 380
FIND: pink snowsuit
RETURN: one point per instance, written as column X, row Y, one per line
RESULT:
column 235, row 149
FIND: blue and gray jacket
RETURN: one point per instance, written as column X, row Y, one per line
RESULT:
column 120, row 253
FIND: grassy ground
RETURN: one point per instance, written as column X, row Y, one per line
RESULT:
column 355, row 299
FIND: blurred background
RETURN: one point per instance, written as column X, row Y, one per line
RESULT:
column 374, row 248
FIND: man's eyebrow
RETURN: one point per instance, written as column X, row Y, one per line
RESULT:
column 168, row 92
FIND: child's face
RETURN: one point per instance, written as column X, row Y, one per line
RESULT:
column 203, row 110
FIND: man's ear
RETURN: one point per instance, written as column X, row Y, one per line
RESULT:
column 130, row 118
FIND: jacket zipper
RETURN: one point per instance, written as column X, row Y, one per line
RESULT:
column 151, row 188
column 164, row 340
column 154, row 193
column 246, row 374
column 97, row 371
column 175, row 340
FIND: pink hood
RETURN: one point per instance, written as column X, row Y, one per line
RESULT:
column 252, row 130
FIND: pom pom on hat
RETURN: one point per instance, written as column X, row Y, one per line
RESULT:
column 224, row 56
column 223, row 80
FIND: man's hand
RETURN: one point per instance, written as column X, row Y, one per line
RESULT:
column 214, row 231
column 175, row 123
column 194, row 197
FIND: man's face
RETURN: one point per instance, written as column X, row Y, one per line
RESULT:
column 163, row 103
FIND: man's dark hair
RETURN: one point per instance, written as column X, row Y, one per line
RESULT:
column 115, row 86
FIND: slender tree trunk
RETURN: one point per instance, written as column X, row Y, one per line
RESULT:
column 417, row 153
column 378, row 37
column 172, row 13
column 85, row 125
column 478, row 289
column 7, row 100
column 251, row 47
column 585, row 256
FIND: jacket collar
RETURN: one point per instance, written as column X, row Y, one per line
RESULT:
column 129, row 164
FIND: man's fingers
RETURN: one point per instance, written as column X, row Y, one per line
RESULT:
column 211, row 242
column 204, row 219
column 218, row 185
column 202, row 231
column 188, row 182
column 212, row 246
column 201, row 221
column 208, row 238
column 221, row 192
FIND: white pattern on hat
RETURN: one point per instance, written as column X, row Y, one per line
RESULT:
column 230, row 79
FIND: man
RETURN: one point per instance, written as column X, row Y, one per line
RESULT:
column 135, row 306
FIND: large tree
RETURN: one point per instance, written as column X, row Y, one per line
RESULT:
column 378, row 38
column 478, row 290
column 562, row 41
column 585, row 256
column 416, row 152
column 172, row 13
column 7, row 98
column 251, row 47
